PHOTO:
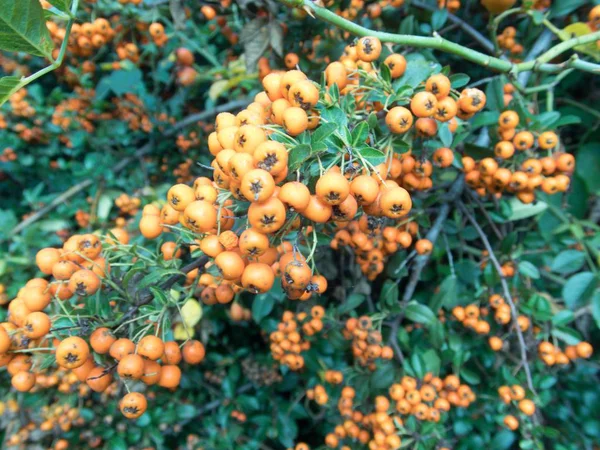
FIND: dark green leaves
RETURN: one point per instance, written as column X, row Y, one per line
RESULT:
column 8, row 86
column 298, row 155
column 419, row 313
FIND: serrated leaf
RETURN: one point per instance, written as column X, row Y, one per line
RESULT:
column 23, row 28
column 255, row 39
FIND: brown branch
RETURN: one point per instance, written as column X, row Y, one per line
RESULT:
column 505, row 289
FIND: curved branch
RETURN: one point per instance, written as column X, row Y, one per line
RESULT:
column 439, row 43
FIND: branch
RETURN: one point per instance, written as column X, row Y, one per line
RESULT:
column 505, row 289
column 148, row 296
column 432, row 235
column 480, row 38
column 147, row 148
column 439, row 43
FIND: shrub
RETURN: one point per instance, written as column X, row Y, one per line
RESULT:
column 379, row 241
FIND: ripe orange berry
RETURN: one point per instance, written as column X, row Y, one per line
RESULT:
column 423, row 104
column 193, row 352
column 151, row 347
column 368, row 48
column 72, row 352
column 133, row 405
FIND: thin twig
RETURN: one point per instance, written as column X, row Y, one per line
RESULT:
column 477, row 200
column 432, row 235
column 505, row 289
column 480, row 38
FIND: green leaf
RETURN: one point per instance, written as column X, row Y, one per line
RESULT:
column 568, row 261
column 297, row 156
column 63, row 5
column 438, row 18
column 563, row 317
column 23, row 28
column 495, row 95
column 104, row 206
column 159, row 295
column 382, row 378
column 459, row 80
column 521, row 211
column 567, row 335
column 432, row 361
column 8, row 86
column 323, row 132
column 528, row 269
column 503, row 440
column 185, row 411
column 418, row 70
column 417, row 363
column 360, row 134
column 595, row 302
column 262, row 305
column 419, row 313
column 447, row 294
column 575, row 288
column 351, row 303
column 588, row 167
column 389, row 293
column 445, row 134
column 117, row 443
column 372, row 155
